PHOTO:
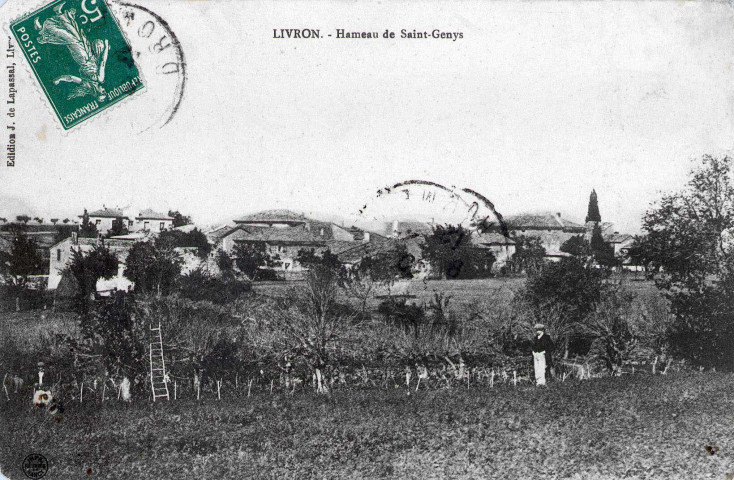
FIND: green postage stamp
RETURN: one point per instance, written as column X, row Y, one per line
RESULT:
column 79, row 56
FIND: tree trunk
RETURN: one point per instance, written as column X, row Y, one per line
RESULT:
column 321, row 385
column 125, row 389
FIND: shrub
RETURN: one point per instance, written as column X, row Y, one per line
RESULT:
column 177, row 238
column 200, row 286
column 153, row 266
column 561, row 295
column 703, row 331
column 399, row 312
column 610, row 327
column 451, row 253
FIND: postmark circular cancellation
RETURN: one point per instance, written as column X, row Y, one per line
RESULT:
column 160, row 56
column 35, row 465
column 433, row 203
column 408, row 211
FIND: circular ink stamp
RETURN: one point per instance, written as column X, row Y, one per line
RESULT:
column 158, row 52
column 430, row 203
column 423, row 216
column 35, row 465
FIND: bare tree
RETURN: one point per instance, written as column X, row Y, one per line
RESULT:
column 311, row 326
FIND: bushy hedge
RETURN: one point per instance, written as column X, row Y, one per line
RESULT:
column 200, row 286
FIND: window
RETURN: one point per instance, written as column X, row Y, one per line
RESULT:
column 130, row 224
column 146, row 225
column 163, row 226
column 97, row 222
column 58, row 254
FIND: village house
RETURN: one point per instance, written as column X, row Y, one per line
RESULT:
column 552, row 230
column 105, row 219
column 62, row 254
column 284, row 234
column 120, row 246
column 412, row 234
column 146, row 220
column 621, row 243
column 151, row 221
column 502, row 247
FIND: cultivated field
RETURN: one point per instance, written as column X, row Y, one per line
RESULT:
column 638, row 426
column 485, row 421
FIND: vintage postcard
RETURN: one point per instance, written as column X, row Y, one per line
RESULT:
column 354, row 240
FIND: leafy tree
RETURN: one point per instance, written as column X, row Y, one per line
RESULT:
column 602, row 251
column 577, row 246
column 383, row 267
column 309, row 258
column 688, row 232
column 66, row 220
column 201, row 286
column 23, row 218
column 87, row 268
column 252, row 258
column 38, row 219
column 63, row 231
column 388, row 265
column 194, row 238
column 115, row 333
column 224, row 263
column 688, row 244
column 569, row 288
column 54, row 221
column 118, row 228
column 3, row 220
column 592, row 214
column 450, row 252
column 87, row 229
column 153, row 266
column 179, row 220
column 312, row 326
column 22, row 261
column 529, row 254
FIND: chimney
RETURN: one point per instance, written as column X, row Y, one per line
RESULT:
column 395, row 226
column 558, row 214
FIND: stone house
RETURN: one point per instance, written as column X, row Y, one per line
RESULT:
column 284, row 234
column 62, row 252
column 621, row 243
column 105, row 218
column 151, row 221
column 502, row 247
column 552, row 230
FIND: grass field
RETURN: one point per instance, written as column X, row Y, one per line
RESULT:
column 632, row 427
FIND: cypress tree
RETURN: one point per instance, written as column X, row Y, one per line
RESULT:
column 592, row 214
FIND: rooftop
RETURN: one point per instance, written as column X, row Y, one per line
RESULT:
column 149, row 214
column 312, row 233
column 544, row 221
column 491, row 238
column 107, row 213
column 617, row 237
column 273, row 216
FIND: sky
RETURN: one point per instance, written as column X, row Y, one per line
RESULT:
column 537, row 104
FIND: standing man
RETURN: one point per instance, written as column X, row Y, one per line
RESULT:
column 542, row 354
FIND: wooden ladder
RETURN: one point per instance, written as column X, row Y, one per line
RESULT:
column 158, row 376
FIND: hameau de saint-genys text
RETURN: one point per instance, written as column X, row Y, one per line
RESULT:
column 343, row 33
